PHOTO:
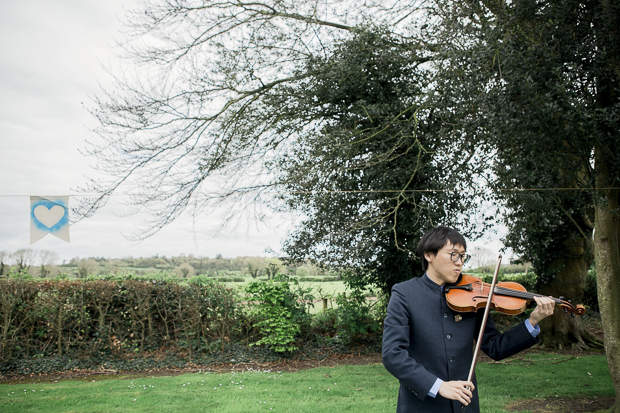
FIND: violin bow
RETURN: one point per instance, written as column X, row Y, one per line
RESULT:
column 484, row 323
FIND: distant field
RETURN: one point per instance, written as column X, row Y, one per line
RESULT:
column 329, row 290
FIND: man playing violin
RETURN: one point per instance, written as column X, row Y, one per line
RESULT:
column 428, row 347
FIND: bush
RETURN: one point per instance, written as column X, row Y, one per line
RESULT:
column 325, row 322
column 354, row 316
column 117, row 317
column 231, row 279
column 279, row 312
column 318, row 279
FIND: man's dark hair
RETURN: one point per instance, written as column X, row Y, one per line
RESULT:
column 435, row 238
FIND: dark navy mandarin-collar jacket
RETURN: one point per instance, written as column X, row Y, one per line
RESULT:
column 423, row 339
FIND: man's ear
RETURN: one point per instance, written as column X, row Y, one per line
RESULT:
column 429, row 256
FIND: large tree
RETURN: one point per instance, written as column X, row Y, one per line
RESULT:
column 195, row 116
column 321, row 106
column 381, row 167
column 542, row 79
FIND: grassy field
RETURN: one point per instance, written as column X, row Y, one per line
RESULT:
column 337, row 389
column 328, row 288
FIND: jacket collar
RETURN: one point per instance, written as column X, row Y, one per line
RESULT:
column 431, row 284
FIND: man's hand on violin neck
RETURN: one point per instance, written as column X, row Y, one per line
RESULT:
column 544, row 308
column 457, row 390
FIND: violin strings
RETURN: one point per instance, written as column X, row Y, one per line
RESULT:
column 516, row 293
column 520, row 294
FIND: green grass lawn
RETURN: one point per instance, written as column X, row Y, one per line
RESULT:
column 316, row 390
column 550, row 376
column 337, row 389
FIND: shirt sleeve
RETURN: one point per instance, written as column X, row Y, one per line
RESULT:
column 534, row 331
column 435, row 389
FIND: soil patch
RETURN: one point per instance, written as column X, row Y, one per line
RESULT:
column 562, row 404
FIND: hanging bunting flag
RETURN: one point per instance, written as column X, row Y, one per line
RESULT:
column 49, row 215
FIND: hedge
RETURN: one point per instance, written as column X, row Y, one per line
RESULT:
column 44, row 318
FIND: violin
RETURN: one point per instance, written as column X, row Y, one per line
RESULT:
column 469, row 294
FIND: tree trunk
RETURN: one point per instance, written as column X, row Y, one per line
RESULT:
column 607, row 220
column 607, row 246
column 561, row 331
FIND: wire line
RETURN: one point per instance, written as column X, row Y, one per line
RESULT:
column 338, row 191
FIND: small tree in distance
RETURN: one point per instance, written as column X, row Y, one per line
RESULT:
column 481, row 258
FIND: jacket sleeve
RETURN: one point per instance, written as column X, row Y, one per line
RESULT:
column 396, row 341
column 498, row 346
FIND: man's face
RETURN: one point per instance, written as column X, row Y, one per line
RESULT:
column 441, row 269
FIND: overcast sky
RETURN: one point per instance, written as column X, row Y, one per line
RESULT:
column 52, row 57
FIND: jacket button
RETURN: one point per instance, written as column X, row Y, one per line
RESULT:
column 451, row 359
column 449, row 336
column 445, row 315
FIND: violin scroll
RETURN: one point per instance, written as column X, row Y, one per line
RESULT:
column 571, row 309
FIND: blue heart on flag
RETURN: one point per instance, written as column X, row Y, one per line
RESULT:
column 49, row 215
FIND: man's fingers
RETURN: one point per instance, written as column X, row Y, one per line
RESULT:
column 465, row 396
column 457, row 390
column 545, row 305
column 470, row 386
column 467, row 392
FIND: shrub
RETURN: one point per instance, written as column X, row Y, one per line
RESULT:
column 318, row 279
column 279, row 313
column 354, row 316
column 118, row 317
column 230, row 279
column 325, row 321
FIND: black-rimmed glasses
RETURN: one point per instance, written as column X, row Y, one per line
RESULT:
column 455, row 256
